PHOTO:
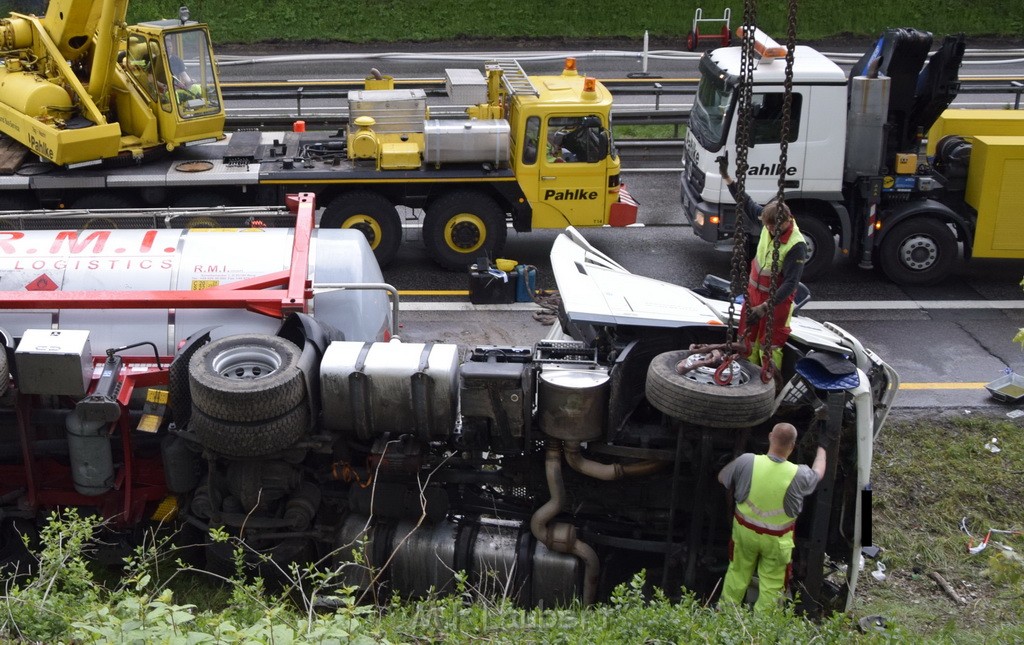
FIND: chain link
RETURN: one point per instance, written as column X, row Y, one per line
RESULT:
column 740, row 266
column 767, row 361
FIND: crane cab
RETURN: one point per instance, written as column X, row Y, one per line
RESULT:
column 171, row 64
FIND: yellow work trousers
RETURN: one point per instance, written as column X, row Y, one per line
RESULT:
column 770, row 555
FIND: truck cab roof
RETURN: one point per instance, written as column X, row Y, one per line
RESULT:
column 809, row 66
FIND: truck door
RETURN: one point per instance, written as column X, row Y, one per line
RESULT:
column 765, row 137
column 571, row 184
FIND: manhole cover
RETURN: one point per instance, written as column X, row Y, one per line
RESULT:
column 30, row 169
column 194, row 166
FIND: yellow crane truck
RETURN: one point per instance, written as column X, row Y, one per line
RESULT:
column 104, row 116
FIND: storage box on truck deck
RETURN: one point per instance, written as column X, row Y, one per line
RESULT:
column 995, row 188
column 976, row 123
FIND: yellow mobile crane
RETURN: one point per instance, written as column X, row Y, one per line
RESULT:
column 78, row 85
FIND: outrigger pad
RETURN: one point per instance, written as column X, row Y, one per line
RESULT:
column 829, row 372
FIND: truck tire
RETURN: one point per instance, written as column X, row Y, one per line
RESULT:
column 371, row 214
column 821, row 247
column 246, row 377
column 462, row 226
column 103, row 201
column 918, row 252
column 5, row 373
column 693, row 399
column 253, row 438
column 178, row 388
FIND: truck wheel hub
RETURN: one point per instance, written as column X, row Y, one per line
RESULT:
column 365, row 225
column 918, row 252
column 465, row 233
column 246, row 363
column 706, row 373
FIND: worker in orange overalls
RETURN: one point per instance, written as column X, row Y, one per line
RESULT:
column 769, row 491
column 776, row 219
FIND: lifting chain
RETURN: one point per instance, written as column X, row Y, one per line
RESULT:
column 767, row 362
column 740, row 268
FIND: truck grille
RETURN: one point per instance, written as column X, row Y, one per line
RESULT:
column 695, row 177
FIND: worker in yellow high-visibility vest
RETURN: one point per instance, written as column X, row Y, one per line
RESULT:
column 769, row 491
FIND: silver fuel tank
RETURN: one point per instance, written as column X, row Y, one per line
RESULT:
column 184, row 260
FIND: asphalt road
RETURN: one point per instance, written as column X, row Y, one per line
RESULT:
column 945, row 341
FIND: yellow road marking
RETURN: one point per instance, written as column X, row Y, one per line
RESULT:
column 942, row 386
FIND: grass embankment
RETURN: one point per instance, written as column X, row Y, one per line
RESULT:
column 927, row 474
column 564, row 22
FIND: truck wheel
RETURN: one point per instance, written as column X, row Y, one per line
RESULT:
column 918, row 252
column 5, row 374
column 102, row 201
column 462, row 226
column 695, row 397
column 178, row 388
column 253, row 438
column 247, row 377
column 371, row 214
column 821, row 247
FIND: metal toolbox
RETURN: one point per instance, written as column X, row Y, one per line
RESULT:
column 54, row 361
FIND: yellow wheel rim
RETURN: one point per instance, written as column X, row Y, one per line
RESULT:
column 465, row 233
column 201, row 222
column 367, row 226
column 100, row 222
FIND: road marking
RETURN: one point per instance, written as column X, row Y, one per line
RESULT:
column 942, row 386
column 829, row 305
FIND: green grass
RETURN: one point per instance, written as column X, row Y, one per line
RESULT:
column 927, row 476
column 563, row 23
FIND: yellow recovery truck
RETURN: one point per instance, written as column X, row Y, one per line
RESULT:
column 106, row 116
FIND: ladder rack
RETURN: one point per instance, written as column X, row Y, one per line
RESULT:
column 516, row 81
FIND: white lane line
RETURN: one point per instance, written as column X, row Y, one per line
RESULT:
column 834, row 305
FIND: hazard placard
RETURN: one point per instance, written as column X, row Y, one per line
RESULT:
column 42, row 283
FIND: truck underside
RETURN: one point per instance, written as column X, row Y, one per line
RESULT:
column 546, row 473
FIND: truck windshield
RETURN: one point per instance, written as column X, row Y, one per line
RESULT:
column 193, row 78
column 712, row 109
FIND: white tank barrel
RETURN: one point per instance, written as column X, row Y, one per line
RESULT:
column 183, row 260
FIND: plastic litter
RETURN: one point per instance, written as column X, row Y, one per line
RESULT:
column 993, row 446
column 975, row 549
column 869, row 624
column 1013, row 414
column 879, row 572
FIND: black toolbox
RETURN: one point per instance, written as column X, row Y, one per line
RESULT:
column 490, row 286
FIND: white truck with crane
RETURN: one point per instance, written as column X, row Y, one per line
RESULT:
column 172, row 377
column 858, row 169
column 104, row 116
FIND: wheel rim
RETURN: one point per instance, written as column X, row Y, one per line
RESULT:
column 918, row 252
column 465, row 233
column 367, row 226
column 100, row 222
column 201, row 222
column 246, row 363
column 706, row 375
column 811, row 248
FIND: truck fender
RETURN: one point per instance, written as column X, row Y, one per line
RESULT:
column 845, row 228
column 932, row 209
column 313, row 337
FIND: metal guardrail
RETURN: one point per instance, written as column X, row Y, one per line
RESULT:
column 657, row 89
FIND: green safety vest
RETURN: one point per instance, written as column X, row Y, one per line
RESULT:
column 763, row 510
column 761, row 266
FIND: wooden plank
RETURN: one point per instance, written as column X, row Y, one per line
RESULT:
column 12, row 154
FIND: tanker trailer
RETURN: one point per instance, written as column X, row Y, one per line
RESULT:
column 94, row 401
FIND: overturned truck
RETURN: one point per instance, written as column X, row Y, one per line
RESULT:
column 281, row 407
